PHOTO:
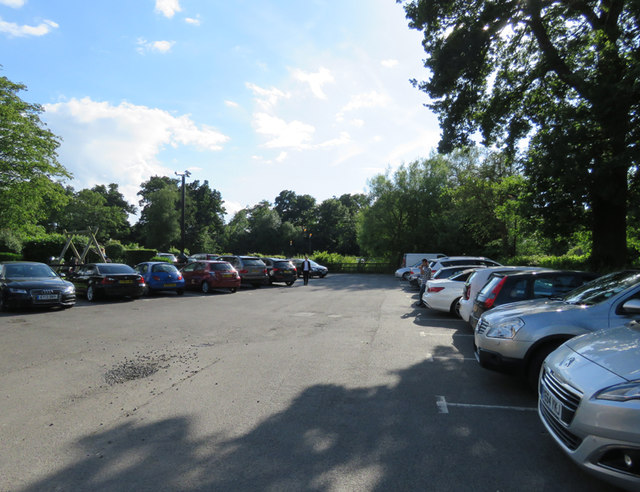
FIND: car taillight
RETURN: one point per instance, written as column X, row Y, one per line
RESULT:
column 141, row 280
column 156, row 278
column 435, row 289
column 491, row 298
column 244, row 271
column 108, row 280
column 465, row 293
column 276, row 269
column 179, row 277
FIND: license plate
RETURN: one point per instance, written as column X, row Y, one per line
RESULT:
column 169, row 285
column 47, row 297
column 125, row 282
column 552, row 404
column 227, row 275
column 287, row 271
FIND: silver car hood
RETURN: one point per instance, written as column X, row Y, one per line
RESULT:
column 616, row 349
column 533, row 306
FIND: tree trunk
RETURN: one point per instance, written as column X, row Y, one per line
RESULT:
column 609, row 215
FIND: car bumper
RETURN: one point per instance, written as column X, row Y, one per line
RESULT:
column 596, row 434
column 29, row 301
column 122, row 291
column 177, row 285
column 498, row 362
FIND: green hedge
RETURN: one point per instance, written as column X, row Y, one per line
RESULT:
column 10, row 256
column 134, row 256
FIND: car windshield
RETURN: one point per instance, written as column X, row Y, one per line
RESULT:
column 115, row 268
column 162, row 267
column 603, row 288
column 221, row 266
column 282, row 264
column 253, row 262
column 27, row 270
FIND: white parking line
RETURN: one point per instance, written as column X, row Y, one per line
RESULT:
column 431, row 358
column 443, row 406
column 445, row 334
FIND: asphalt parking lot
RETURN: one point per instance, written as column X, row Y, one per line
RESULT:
column 339, row 385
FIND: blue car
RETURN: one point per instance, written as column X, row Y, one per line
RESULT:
column 159, row 276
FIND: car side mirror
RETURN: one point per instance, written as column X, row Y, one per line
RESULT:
column 632, row 306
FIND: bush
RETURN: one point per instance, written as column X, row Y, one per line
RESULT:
column 162, row 258
column 115, row 251
column 135, row 256
column 42, row 248
column 10, row 256
column 566, row 262
column 10, row 242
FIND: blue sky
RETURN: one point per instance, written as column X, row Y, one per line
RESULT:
column 255, row 96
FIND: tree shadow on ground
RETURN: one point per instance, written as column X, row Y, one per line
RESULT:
column 330, row 437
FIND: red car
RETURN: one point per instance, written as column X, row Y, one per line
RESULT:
column 205, row 275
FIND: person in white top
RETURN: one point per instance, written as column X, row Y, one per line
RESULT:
column 306, row 270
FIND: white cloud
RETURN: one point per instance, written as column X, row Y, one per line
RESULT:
column 168, row 8
column 294, row 134
column 372, row 99
column 389, row 63
column 267, row 98
column 16, row 4
column 315, row 80
column 193, row 21
column 232, row 104
column 282, row 156
column 158, row 46
column 122, row 144
column 14, row 29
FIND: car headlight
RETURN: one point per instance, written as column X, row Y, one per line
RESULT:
column 506, row 329
column 620, row 392
column 13, row 290
column 69, row 289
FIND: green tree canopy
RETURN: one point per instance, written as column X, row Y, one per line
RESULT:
column 561, row 75
column 29, row 169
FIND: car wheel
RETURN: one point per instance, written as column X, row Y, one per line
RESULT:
column 405, row 276
column 180, row 292
column 233, row 290
column 289, row 283
column 3, row 305
column 535, row 364
column 91, row 294
column 455, row 308
column 204, row 287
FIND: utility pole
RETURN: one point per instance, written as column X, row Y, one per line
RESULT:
column 184, row 175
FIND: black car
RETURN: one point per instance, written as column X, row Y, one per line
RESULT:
column 317, row 270
column 96, row 280
column 30, row 284
column 506, row 287
column 280, row 270
column 252, row 269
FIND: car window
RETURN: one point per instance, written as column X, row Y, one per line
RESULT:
column 115, row 268
column 142, row 268
column 488, row 287
column 601, row 289
column 252, row 262
column 222, row 267
column 190, row 267
column 165, row 268
column 543, row 287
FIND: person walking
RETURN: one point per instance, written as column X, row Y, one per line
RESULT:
column 425, row 275
column 306, row 270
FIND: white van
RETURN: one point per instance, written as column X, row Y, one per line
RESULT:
column 410, row 259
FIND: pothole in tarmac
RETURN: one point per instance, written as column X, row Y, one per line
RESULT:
column 143, row 366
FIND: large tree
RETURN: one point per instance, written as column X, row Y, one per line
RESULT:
column 29, row 167
column 559, row 74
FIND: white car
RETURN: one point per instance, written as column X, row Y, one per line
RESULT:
column 476, row 282
column 589, row 401
column 449, row 261
column 404, row 272
column 444, row 294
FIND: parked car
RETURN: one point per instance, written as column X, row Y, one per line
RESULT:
column 589, row 401
column 443, row 273
column 280, row 270
column 31, row 284
column 251, row 269
column 169, row 256
column 517, row 337
column 448, row 261
column 159, row 276
column 204, row 256
column 506, row 287
column 477, row 280
column 317, row 270
column 206, row 275
column 444, row 294
column 405, row 272
column 97, row 280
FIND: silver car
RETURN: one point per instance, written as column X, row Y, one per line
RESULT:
column 589, row 401
column 517, row 337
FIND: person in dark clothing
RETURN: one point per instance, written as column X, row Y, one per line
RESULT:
column 425, row 275
column 306, row 270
